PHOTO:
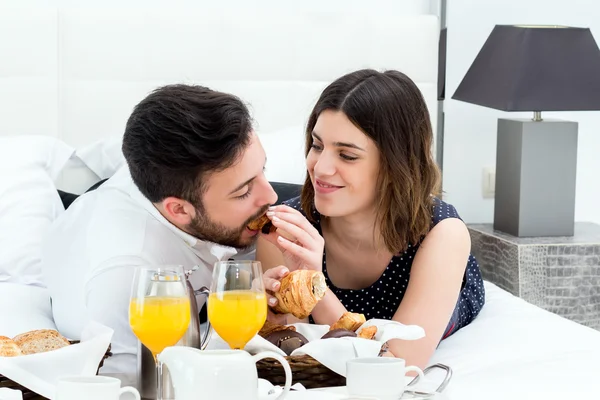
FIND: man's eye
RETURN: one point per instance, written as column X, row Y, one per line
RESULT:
column 245, row 195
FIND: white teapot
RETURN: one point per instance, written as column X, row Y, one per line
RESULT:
column 217, row 374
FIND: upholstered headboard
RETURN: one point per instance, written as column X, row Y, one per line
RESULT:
column 76, row 72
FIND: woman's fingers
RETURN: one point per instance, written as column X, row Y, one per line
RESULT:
column 295, row 249
column 295, row 217
column 299, row 234
column 272, row 281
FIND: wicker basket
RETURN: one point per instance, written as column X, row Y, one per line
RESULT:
column 305, row 370
column 30, row 395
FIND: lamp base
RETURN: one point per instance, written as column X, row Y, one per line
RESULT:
column 536, row 168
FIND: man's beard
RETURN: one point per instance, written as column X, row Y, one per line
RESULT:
column 204, row 228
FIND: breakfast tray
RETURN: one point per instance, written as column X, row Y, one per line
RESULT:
column 30, row 395
column 314, row 375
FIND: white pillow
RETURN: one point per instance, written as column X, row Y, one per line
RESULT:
column 29, row 202
column 104, row 157
column 90, row 164
column 285, row 155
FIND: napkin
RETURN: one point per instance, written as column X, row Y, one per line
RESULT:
column 334, row 352
column 267, row 391
column 40, row 372
column 10, row 394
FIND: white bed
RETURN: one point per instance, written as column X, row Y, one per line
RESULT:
column 74, row 73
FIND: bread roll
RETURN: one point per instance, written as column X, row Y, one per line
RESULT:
column 287, row 340
column 40, row 341
column 8, row 347
column 338, row 333
column 270, row 327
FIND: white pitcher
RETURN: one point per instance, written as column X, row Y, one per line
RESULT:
column 217, row 374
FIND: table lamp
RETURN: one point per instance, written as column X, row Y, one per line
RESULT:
column 535, row 68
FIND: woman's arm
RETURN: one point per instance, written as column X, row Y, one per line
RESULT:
column 327, row 311
column 268, row 254
column 435, row 282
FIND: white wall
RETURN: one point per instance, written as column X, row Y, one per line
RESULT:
column 470, row 131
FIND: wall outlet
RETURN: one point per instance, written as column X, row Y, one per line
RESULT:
column 488, row 184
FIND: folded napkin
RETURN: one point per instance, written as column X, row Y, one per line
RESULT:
column 267, row 391
column 10, row 394
column 334, row 352
column 40, row 372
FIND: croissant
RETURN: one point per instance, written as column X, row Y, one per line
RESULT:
column 368, row 332
column 350, row 321
column 263, row 224
column 300, row 292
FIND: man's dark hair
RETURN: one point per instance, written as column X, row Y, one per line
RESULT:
column 180, row 133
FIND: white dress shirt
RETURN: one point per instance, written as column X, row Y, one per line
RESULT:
column 90, row 253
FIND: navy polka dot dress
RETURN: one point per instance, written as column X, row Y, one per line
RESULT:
column 381, row 299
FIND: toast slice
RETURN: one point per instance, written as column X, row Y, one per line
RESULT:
column 40, row 341
column 8, row 347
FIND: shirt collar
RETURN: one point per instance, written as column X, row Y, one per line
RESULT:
column 219, row 252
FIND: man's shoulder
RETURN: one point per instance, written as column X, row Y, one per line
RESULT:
column 100, row 225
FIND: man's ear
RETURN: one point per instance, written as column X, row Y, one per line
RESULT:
column 178, row 211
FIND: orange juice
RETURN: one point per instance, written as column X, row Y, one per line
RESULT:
column 159, row 322
column 237, row 315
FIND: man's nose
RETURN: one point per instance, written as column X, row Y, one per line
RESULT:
column 269, row 195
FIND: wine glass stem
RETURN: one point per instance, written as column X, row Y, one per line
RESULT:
column 159, row 379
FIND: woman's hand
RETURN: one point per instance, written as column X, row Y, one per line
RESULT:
column 306, row 251
column 272, row 281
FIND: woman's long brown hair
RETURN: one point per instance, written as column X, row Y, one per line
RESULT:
column 389, row 108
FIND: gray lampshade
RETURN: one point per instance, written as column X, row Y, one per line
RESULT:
column 535, row 68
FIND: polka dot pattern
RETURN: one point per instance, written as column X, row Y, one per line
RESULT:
column 381, row 300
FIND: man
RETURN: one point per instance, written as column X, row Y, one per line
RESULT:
column 193, row 181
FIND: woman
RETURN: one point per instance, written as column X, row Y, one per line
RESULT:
column 369, row 219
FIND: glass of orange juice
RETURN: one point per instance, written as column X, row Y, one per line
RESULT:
column 237, row 304
column 159, row 310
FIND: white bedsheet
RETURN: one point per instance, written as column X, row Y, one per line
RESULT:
column 515, row 351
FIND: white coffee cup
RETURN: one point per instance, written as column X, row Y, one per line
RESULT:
column 92, row 388
column 381, row 377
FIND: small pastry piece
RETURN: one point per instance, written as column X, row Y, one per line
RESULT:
column 8, row 347
column 368, row 332
column 263, row 224
column 350, row 321
column 270, row 327
column 287, row 340
column 338, row 333
column 40, row 341
column 300, row 292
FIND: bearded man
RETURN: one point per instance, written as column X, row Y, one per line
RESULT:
column 193, row 181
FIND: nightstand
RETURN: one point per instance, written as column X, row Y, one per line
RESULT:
column 558, row 274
